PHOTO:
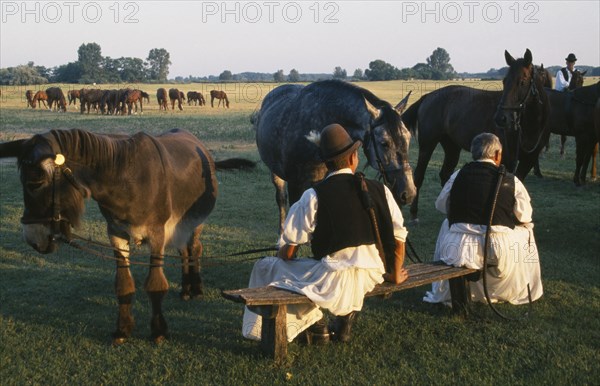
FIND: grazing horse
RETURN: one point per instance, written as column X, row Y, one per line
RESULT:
column 452, row 116
column 161, row 97
column 221, row 96
column 176, row 95
column 29, row 96
column 196, row 97
column 154, row 189
column 130, row 98
column 56, row 95
column 291, row 114
column 40, row 97
column 90, row 98
column 73, row 95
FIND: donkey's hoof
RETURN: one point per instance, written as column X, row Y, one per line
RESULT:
column 118, row 341
column 159, row 339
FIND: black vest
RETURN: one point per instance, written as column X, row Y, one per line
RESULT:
column 472, row 194
column 343, row 222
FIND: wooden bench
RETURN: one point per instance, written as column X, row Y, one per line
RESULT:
column 271, row 303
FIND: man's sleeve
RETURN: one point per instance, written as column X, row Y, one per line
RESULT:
column 400, row 231
column 300, row 222
column 523, row 210
column 442, row 203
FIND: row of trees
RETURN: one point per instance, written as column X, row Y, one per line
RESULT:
column 92, row 67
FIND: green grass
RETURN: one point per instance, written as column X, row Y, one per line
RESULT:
column 57, row 311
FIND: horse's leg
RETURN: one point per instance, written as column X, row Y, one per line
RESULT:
column 584, row 147
column 563, row 140
column 191, row 282
column 536, row 168
column 124, row 287
column 212, row 101
column 179, row 104
column 425, row 153
column 451, row 157
column 594, row 167
column 281, row 198
column 156, row 286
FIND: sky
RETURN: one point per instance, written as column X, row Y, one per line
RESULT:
column 207, row 37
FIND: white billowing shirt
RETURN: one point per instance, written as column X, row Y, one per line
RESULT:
column 561, row 83
column 300, row 224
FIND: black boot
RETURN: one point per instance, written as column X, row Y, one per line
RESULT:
column 316, row 334
column 342, row 327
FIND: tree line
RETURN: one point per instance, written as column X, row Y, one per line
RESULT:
column 91, row 67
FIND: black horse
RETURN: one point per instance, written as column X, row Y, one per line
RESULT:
column 291, row 113
column 151, row 189
column 452, row 116
column 572, row 114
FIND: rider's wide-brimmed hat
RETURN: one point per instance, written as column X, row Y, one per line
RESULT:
column 335, row 142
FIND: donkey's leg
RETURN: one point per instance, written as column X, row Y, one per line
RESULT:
column 281, row 198
column 191, row 282
column 124, row 287
column 156, row 286
column 425, row 153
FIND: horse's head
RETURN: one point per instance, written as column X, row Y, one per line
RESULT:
column 577, row 80
column 53, row 200
column 523, row 87
column 386, row 147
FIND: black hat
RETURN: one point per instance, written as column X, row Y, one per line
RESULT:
column 571, row 58
column 336, row 142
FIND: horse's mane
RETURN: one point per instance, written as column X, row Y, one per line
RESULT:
column 390, row 116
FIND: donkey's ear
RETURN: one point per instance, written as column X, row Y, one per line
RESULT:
column 528, row 57
column 403, row 103
column 508, row 57
column 11, row 149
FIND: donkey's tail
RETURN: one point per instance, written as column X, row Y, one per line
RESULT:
column 235, row 163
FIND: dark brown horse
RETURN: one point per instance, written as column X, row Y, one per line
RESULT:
column 56, row 97
column 161, row 97
column 73, row 95
column 575, row 82
column 154, row 189
column 176, row 96
column 221, row 96
column 291, row 114
column 195, row 97
column 572, row 113
column 452, row 116
column 90, row 99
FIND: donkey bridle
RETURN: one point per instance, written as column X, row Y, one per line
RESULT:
column 56, row 219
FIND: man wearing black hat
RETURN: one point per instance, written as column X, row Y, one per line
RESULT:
column 565, row 74
column 349, row 258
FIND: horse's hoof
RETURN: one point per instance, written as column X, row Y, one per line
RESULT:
column 160, row 339
column 118, row 341
column 413, row 222
column 184, row 296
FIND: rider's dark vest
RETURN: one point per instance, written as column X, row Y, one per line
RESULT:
column 566, row 74
column 341, row 219
column 472, row 194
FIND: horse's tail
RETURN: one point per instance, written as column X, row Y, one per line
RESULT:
column 411, row 115
column 235, row 163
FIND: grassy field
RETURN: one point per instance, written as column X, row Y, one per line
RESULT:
column 57, row 311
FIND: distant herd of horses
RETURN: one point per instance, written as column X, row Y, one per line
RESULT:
column 117, row 102
column 60, row 168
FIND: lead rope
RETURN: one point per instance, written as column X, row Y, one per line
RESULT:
column 501, row 173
